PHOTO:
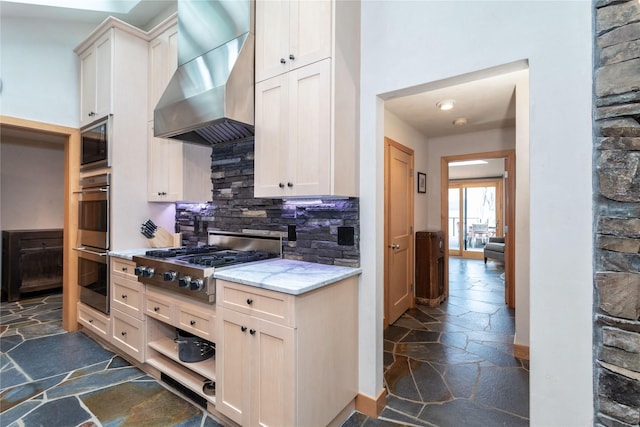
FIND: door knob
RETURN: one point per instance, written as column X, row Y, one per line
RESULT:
column 394, row 246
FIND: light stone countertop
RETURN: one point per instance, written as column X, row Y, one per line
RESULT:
column 128, row 253
column 287, row 276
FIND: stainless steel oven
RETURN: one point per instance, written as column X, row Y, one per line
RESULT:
column 93, row 241
column 93, row 211
column 93, row 278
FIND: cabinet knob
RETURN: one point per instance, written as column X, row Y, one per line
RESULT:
column 124, row 296
column 156, row 309
column 281, row 185
column 289, row 184
column 243, row 328
column 91, row 114
column 291, row 57
column 192, row 323
column 252, row 331
column 283, row 61
column 249, row 301
column 123, row 333
column 91, row 321
column 124, row 269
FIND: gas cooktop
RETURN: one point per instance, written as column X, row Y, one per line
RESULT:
column 189, row 270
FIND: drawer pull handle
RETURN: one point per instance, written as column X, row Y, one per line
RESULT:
column 249, row 301
column 192, row 323
column 124, row 296
column 252, row 331
column 156, row 309
column 123, row 333
column 243, row 328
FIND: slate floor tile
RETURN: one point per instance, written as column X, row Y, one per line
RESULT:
column 61, row 412
column 462, row 412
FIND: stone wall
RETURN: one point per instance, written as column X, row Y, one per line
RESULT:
column 617, row 212
column 316, row 222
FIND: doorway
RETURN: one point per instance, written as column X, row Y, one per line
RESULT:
column 71, row 138
column 399, row 238
column 475, row 215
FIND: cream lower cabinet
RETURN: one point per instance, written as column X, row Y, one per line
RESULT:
column 256, row 383
column 127, row 310
column 94, row 321
column 285, row 360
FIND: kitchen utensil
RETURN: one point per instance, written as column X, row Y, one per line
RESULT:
column 192, row 348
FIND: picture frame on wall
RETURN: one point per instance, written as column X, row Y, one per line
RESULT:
column 422, row 182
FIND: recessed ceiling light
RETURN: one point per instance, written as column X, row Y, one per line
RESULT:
column 446, row 104
column 461, row 121
column 468, row 163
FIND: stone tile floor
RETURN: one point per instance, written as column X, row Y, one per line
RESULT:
column 52, row 378
column 450, row 365
column 453, row 365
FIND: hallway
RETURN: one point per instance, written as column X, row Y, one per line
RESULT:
column 453, row 365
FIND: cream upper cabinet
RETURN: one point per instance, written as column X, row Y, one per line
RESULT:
column 163, row 61
column 176, row 171
column 291, row 34
column 96, row 79
column 307, row 112
column 293, row 144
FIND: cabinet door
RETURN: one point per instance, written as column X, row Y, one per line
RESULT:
column 310, row 31
column 310, row 130
column 164, row 173
column 104, row 74
column 272, row 38
column 274, row 382
column 271, row 140
column 233, row 369
column 87, row 86
column 163, row 61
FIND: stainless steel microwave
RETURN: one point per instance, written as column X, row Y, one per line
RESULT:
column 95, row 145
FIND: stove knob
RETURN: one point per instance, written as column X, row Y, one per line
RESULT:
column 148, row 272
column 139, row 270
column 184, row 281
column 197, row 284
column 169, row 276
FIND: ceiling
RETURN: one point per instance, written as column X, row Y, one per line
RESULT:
column 140, row 15
column 486, row 103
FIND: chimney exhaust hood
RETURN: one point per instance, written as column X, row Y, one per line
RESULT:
column 209, row 99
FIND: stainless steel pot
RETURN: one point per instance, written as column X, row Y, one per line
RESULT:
column 192, row 348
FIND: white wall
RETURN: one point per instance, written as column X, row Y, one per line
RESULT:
column 410, row 43
column 40, row 71
column 404, row 134
column 32, row 185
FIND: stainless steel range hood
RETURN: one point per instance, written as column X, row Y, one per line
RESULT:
column 209, row 99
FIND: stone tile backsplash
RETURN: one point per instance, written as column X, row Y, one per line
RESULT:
column 235, row 209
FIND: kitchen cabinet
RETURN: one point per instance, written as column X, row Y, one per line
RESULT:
column 177, row 171
column 31, row 261
column 165, row 312
column 430, row 268
column 127, row 309
column 290, row 35
column 306, row 123
column 94, row 321
column 95, row 79
column 277, row 362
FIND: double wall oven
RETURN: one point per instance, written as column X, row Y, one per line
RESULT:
column 93, row 241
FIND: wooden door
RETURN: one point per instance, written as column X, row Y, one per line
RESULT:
column 399, row 236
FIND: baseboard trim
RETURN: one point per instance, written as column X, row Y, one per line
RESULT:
column 371, row 406
column 521, row 351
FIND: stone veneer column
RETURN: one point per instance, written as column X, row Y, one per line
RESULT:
column 617, row 212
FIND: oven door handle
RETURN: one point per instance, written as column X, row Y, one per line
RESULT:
column 93, row 190
column 83, row 249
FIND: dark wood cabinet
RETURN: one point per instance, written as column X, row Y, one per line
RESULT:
column 31, row 261
column 430, row 289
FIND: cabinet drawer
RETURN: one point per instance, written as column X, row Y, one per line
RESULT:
column 159, row 307
column 93, row 320
column 196, row 322
column 264, row 304
column 127, row 296
column 123, row 267
column 128, row 334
